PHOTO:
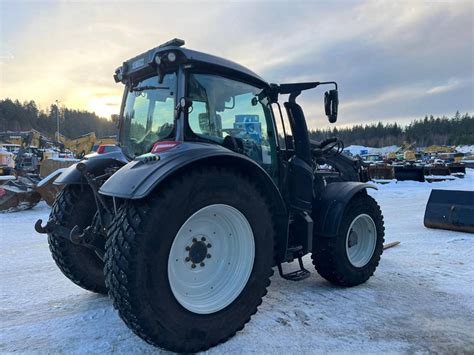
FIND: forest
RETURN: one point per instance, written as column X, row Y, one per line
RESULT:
column 17, row 116
column 456, row 130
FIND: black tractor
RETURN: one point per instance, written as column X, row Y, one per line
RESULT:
column 214, row 185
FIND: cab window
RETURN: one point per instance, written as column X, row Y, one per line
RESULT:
column 225, row 110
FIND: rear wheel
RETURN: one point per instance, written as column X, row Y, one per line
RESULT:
column 75, row 205
column 351, row 257
column 188, row 267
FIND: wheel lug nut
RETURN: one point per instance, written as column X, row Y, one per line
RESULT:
column 188, row 248
column 187, row 259
column 194, row 240
column 203, row 239
column 209, row 245
column 193, row 266
column 208, row 256
column 202, row 264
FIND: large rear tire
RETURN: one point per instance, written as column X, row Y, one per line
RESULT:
column 75, row 205
column 351, row 257
column 188, row 266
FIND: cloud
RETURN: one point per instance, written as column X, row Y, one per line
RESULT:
column 392, row 60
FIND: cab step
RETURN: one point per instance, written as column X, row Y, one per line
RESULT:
column 297, row 275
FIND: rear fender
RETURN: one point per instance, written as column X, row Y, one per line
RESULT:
column 329, row 208
column 95, row 164
column 139, row 178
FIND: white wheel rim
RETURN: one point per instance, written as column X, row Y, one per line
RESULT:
column 361, row 239
column 226, row 264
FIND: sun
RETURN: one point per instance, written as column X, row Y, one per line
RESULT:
column 105, row 106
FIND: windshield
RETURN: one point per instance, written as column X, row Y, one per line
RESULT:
column 148, row 114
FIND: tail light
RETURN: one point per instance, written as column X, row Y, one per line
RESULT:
column 101, row 149
column 164, row 146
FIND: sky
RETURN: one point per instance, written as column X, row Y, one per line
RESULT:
column 394, row 61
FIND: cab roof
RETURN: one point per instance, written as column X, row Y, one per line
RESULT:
column 137, row 66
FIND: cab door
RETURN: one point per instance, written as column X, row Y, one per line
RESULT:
column 229, row 112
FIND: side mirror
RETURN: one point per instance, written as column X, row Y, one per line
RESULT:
column 331, row 103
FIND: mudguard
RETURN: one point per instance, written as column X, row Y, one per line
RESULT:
column 329, row 208
column 141, row 176
column 95, row 163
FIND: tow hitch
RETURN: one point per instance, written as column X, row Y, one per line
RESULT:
column 89, row 237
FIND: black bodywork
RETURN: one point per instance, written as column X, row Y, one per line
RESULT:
column 299, row 195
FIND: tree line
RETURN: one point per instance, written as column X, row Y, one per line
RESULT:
column 457, row 130
column 17, row 116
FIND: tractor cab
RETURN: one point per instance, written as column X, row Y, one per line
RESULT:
column 174, row 95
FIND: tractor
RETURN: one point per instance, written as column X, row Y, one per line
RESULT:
column 214, row 186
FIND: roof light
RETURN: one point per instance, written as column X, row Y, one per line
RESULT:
column 171, row 56
column 118, row 76
column 164, row 146
column 157, row 59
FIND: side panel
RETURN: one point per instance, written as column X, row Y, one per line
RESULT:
column 329, row 208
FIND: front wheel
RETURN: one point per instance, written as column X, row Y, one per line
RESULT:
column 187, row 267
column 351, row 257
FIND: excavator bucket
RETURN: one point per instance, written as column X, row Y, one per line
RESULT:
column 383, row 172
column 450, row 209
column 409, row 172
column 17, row 196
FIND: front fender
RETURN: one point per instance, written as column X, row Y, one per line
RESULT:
column 329, row 208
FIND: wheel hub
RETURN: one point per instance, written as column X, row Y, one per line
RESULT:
column 353, row 239
column 361, row 240
column 203, row 284
column 198, row 251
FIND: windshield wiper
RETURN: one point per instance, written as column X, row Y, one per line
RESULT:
column 142, row 88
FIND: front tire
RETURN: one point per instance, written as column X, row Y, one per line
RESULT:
column 75, row 205
column 188, row 266
column 351, row 257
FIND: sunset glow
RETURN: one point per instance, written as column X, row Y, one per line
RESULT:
column 393, row 62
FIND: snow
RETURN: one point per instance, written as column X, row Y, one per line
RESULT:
column 466, row 149
column 419, row 300
column 360, row 150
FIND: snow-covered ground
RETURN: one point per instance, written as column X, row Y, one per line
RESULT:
column 421, row 299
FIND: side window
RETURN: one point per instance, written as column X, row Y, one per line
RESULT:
column 230, row 113
column 198, row 114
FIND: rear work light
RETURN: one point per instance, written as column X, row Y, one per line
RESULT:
column 164, row 146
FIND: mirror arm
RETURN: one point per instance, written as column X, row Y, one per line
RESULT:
column 328, row 83
column 293, row 96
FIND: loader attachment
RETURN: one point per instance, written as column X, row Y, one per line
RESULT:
column 452, row 210
column 18, row 196
column 47, row 189
column 409, row 172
